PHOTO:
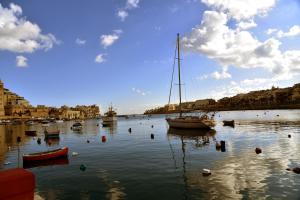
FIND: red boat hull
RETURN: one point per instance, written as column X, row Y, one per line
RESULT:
column 47, row 155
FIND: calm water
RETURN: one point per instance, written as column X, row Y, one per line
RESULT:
column 134, row 166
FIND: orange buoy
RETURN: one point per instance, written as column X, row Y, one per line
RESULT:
column 103, row 138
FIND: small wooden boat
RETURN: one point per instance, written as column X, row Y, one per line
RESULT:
column 52, row 134
column 47, row 155
column 228, row 123
column 30, row 133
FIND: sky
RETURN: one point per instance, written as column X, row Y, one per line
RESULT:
column 121, row 52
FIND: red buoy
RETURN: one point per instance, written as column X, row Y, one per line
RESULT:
column 103, row 138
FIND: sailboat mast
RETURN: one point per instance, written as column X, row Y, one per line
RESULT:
column 178, row 57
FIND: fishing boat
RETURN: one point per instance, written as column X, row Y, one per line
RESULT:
column 187, row 122
column 228, row 123
column 109, row 117
column 59, row 121
column 52, row 134
column 45, row 123
column 29, row 123
column 30, row 133
column 46, row 155
column 77, row 126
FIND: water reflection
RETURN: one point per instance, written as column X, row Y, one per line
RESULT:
column 52, row 141
column 133, row 166
column 57, row 161
column 110, row 127
column 201, row 137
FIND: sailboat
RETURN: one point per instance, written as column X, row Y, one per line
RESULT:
column 188, row 122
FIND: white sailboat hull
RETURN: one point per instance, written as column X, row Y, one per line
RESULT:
column 190, row 123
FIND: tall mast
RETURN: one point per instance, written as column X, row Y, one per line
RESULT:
column 178, row 51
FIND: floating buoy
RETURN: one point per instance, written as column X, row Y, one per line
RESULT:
column 258, row 150
column 152, row 126
column 82, row 167
column 75, row 153
column 129, row 130
column 223, row 146
column 289, row 136
column 277, row 115
column 152, row 136
column 88, row 141
column 103, row 138
column 206, row 172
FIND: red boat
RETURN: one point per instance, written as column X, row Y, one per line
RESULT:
column 52, row 134
column 47, row 155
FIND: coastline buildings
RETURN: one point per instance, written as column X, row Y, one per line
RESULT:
column 274, row 98
column 13, row 106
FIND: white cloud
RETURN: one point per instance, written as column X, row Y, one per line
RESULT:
column 256, row 81
column 122, row 14
column 216, row 75
column 21, row 61
column 294, row 31
column 236, row 46
column 242, row 9
column 246, row 85
column 80, row 42
column 140, row 92
column 246, row 24
column 223, row 75
column 108, row 40
column 130, row 4
column 271, row 31
column 100, row 58
column 20, row 35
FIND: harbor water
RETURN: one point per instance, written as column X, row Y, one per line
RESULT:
column 168, row 164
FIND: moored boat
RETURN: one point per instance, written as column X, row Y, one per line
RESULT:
column 109, row 117
column 30, row 133
column 46, row 155
column 228, row 123
column 187, row 122
column 29, row 123
column 51, row 134
column 45, row 123
column 77, row 126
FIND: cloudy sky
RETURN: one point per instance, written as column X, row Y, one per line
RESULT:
column 121, row 51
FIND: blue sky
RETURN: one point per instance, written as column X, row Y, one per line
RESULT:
column 135, row 50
